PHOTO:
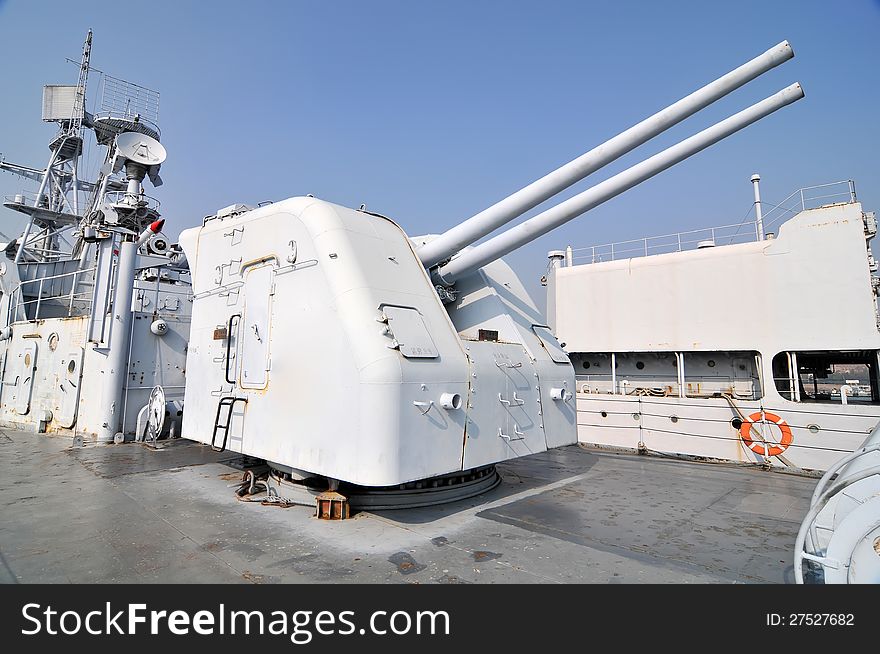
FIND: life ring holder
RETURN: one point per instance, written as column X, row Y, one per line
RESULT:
column 774, row 449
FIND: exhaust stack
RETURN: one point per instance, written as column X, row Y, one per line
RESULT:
column 560, row 214
column 488, row 220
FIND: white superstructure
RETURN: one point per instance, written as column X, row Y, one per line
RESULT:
column 763, row 351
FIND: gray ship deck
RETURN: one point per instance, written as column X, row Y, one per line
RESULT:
column 127, row 513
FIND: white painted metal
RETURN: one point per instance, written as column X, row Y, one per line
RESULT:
column 759, row 211
column 408, row 332
column 140, row 148
column 808, row 289
column 98, row 325
column 70, row 383
column 115, row 368
column 507, row 241
column 841, row 531
column 59, row 102
column 27, row 365
column 495, row 299
column 371, row 380
column 255, row 326
column 502, row 212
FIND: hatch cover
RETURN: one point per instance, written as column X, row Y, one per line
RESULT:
column 408, row 329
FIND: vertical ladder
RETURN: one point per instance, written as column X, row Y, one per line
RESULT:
column 227, row 402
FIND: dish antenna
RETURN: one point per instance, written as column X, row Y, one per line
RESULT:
column 140, row 148
column 145, row 152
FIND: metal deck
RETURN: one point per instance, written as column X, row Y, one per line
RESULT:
column 126, row 513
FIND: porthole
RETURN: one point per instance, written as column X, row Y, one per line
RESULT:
column 673, row 419
column 640, row 365
column 586, row 365
column 742, row 366
column 736, row 423
column 27, row 359
column 813, row 429
column 637, row 416
column 52, row 341
column 711, row 363
column 604, row 414
column 71, row 366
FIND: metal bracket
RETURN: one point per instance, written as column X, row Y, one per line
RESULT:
column 427, row 406
column 821, row 560
column 447, row 295
column 520, row 435
column 232, row 270
column 236, row 234
column 516, row 400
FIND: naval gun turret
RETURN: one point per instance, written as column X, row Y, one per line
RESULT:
column 329, row 343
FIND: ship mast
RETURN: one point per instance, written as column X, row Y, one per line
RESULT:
column 54, row 210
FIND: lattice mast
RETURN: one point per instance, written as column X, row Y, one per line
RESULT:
column 55, row 209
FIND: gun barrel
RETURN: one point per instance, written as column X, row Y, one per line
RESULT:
column 544, row 222
column 502, row 212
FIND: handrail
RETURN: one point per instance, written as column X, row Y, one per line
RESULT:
column 128, row 115
column 17, row 301
column 806, row 200
column 118, row 197
column 742, row 232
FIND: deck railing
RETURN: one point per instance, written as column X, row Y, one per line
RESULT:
column 56, row 291
column 746, row 231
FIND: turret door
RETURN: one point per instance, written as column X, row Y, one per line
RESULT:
column 254, row 329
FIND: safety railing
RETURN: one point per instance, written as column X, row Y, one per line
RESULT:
column 810, row 197
column 28, row 199
column 747, row 231
column 55, row 295
column 131, row 119
column 119, row 197
column 678, row 242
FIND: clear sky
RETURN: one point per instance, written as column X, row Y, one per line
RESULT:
column 431, row 111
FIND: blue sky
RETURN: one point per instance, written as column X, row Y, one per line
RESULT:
column 430, row 112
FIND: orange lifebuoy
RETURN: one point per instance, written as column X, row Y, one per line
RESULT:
column 745, row 433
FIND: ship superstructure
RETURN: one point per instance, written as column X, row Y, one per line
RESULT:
column 95, row 308
column 731, row 342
